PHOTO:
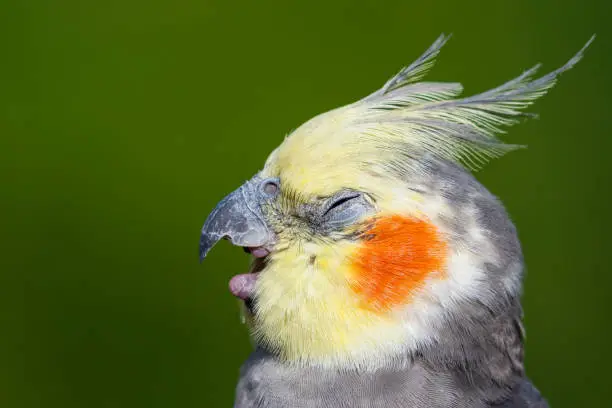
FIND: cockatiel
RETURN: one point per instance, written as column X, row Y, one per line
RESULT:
column 384, row 274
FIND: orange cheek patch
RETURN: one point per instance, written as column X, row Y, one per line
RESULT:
column 399, row 255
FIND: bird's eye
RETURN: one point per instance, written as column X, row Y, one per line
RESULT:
column 334, row 205
column 270, row 187
column 345, row 209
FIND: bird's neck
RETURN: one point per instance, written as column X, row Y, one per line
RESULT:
column 480, row 364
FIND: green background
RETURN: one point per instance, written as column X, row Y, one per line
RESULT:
column 122, row 123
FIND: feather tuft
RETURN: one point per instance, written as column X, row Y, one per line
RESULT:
column 426, row 117
column 418, row 69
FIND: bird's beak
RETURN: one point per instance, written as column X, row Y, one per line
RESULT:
column 239, row 218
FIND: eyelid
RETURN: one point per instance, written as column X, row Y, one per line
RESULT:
column 337, row 201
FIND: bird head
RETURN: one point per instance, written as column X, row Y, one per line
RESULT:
column 371, row 237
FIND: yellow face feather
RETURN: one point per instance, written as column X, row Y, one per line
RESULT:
column 306, row 310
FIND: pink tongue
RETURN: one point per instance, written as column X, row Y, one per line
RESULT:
column 258, row 252
column 243, row 285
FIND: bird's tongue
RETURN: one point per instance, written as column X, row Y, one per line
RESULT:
column 243, row 285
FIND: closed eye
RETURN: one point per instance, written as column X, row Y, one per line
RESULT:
column 339, row 202
column 345, row 209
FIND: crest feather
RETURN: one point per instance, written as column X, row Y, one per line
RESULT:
column 425, row 116
column 418, row 69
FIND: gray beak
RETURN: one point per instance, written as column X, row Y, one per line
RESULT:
column 238, row 217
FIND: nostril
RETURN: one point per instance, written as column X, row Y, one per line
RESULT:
column 270, row 187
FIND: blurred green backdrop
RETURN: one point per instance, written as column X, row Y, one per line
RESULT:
column 123, row 122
